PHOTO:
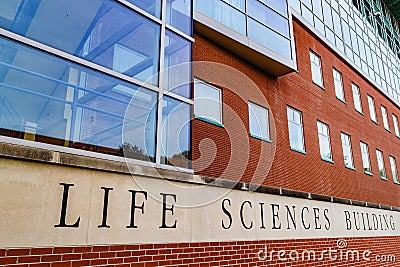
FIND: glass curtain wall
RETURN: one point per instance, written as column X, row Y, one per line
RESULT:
column 364, row 31
column 76, row 67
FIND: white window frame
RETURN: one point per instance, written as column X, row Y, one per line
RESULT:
column 303, row 149
column 338, row 84
column 316, row 64
column 357, row 97
column 396, row 125
column 385, row 118
column 372, row 110
column 197, row 113
column 346, row 136
column 393, row 168
column 381, row 164
column 252, row 107
column 324, row 135
column 365, row 156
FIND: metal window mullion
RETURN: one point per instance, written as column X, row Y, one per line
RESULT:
column 161, row 82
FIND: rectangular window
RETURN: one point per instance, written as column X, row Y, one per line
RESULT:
column 347, row 152
column 295, row 124
column 396, row 125
column 259, row 122
column 365, row 158
column 178, row 52
column 385, row 118
column 357, row 98
column 393, row 168
column 381, row 164
column 91, row 35
column 337, row 78
column 175, row 133
column 316, row 69
column 372, row 111
column 74, row 105
column 324, row 141
column 207, row 102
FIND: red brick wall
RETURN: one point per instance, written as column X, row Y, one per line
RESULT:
column 234, row 253
column 291, row 169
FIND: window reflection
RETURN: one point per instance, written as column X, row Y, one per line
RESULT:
column 175, row 148
column 95, row 30
column 179, row 15
column 151, row 6
column 264, row 21
column 53, row 101
column 178, row 52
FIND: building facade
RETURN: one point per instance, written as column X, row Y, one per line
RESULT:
column 199, row 133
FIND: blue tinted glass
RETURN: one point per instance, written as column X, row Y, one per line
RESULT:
column 240, row 4
column 279, row 5
column 178, row 74
column 268, row 17
column 263, row 35
column 179, row 15
column 176, row 148
column 151, row 6
column 223, row 13
column 50, row 100
column 100, row 31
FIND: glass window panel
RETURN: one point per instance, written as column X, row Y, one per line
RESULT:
column 307, row 3
column 347, row 151
column 153, row 7
column 327, row 14
column 207, row 102
column 396, row 125
column 354, row 41
column 385, row 118
column 175, row 132
column 362, row 47
column 223, row 13
column 307, row 14
column 381, row 164
column 179, row 15
column 316, row 70
column 295, row 4
column 240, row 4
column 280, row 6
column 365, row 157
column 177, row 75
column 356, row 97
column 336, row 24
column 57, row 102
column 317, row 9
column 259, row 121
column 264, row 35
column 324, row 141
column 337, row 78
column 92, row 30
column 393, row 168
column 339, row 44
column 295, row 125
column 371, row 105
column 319, row 25
column 330, row 35
column 269, row 17
column 346, row 33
